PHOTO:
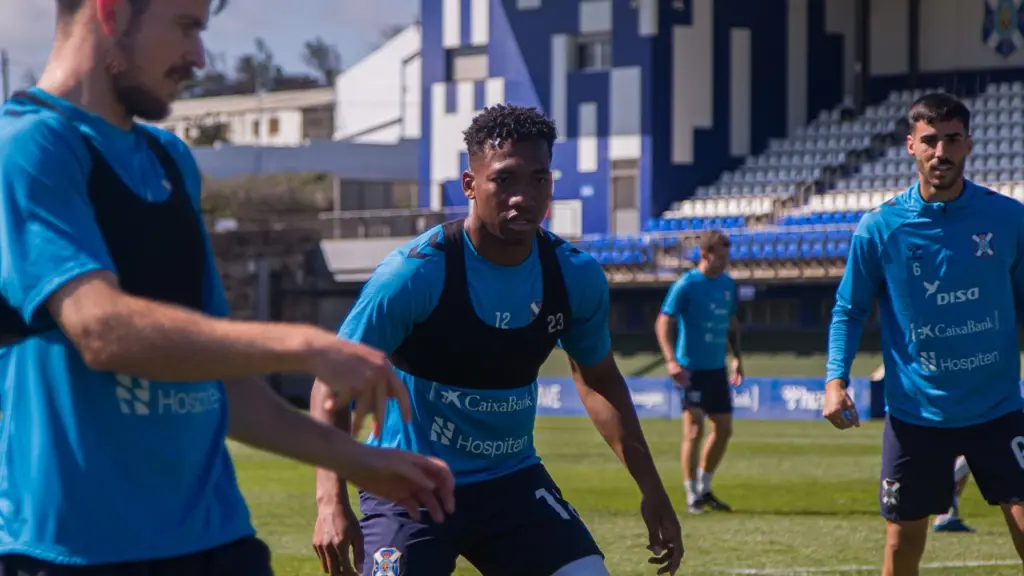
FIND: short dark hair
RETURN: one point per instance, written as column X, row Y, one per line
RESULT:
column 711, row 238
column 503, row 123
column 939, row 107
column 68, row 8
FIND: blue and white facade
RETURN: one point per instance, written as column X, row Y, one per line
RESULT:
column 666, row 92
column 669, row 93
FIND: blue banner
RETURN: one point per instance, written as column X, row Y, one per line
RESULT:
column 756, row 398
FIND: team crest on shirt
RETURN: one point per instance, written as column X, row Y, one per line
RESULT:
column 890, row 492
column 1003, row 28
column 535, row 307
column 387, row 562
column 983, row 245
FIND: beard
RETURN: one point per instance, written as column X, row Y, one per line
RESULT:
column 138, row 101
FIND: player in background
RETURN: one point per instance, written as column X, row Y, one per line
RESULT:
column 701, row 307
column 469, row 311
column 945, row 259
column 950, row 521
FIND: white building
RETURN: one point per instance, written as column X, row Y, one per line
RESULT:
column 378, row 98
column 286, row 118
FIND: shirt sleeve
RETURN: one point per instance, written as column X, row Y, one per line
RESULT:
column 588, row 339
column 676, row 300
column 403, row 291
column 855, row 299
column 49, row 235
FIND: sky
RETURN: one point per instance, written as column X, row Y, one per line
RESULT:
column 26, row 29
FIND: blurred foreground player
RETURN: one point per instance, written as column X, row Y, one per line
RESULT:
column 118, row 367
column 946, row 260
column 950, row 521
column 701, row 307
column 469, row 311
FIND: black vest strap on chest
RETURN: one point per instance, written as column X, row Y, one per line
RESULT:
column 454, row 346
column 158, row 248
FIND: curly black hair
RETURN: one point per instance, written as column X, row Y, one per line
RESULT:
column 503, row 123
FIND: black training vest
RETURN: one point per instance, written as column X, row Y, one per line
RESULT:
column 453, row 346
column 158, row 248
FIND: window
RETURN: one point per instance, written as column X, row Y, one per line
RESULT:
column 275, row 126
column 467, row 64
column 594, row 53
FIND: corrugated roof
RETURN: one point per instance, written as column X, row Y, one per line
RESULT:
column 284, row 100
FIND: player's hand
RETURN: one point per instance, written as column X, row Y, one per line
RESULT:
column 736, row 378
column 679, row 375
column 665, row 537
column 336, row 531
column 839, row 408
column 410, row 480
column 357, row 372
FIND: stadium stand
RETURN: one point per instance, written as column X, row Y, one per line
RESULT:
column 801, row 198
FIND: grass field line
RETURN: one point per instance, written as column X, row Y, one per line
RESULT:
column 835, row 569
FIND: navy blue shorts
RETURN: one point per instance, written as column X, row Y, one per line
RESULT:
column 513, row 525
column 245, row 557
column 709, row 391
column 918, row 462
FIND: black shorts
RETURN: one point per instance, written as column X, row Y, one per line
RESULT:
column 245, row 557
column 513, row 525
column 709, row 391
column 918, row 465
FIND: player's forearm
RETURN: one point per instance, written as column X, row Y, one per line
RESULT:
column 843, row 340
column 663, row 330
column 262, row 419
column 609, row 404
column 733, row 339
column 165, row 342
column 331, row 488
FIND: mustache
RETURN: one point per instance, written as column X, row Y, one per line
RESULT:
column 182, row 74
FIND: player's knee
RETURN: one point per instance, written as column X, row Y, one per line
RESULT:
column 722, row 426
column 693, row 432
column 906, row 540
column 589, row 566
column 962, row 469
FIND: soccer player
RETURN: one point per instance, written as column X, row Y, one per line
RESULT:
column 113, row 341
column 469, row 311
column 701, row 308
column 946, row 260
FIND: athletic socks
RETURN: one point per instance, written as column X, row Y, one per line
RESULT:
column 692, row 495
column 704, row 483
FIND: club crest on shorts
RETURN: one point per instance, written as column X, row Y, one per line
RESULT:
column 983, row 243
column 890, row 492
column 535, row 307
column 387, row 562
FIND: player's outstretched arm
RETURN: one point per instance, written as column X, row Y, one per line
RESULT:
column 260, row 418
column 609, row 404
column 855, row 298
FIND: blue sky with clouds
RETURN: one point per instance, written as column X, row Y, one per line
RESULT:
column 26, row 28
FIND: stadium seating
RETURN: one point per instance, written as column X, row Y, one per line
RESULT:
column 801, row 198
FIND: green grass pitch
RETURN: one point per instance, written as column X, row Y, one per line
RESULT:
column 804, row 494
